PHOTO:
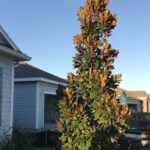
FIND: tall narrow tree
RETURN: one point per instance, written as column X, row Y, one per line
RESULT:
column 91, row 115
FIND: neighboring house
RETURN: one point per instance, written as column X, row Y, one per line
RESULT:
column 35, row 98
column 137, row 101
column 9, row 56
column 121, row 96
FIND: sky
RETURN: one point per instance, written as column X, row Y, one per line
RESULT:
column 44, row 30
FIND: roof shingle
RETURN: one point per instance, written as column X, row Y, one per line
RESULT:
column 29, row 71
column 136, row 94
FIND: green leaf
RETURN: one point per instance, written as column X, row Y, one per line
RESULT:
column 63, row 138
column 69, row 140
column 80, row 127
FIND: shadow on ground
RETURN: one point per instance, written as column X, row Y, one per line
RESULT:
column 134, row 144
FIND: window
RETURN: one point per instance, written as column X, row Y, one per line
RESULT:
column 51, row 109
column 133, row 107
column 0, row 94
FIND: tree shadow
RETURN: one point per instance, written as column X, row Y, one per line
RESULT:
column 133, row 144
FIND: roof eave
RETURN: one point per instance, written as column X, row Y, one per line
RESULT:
column 35, row 79
column 134, row 98
column 17, row 56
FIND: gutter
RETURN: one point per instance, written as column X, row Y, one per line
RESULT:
column 18, row 56
column 38, row 79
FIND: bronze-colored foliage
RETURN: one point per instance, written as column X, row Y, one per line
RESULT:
column 92, row 117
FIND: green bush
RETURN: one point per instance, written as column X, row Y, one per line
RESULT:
column 20, row 140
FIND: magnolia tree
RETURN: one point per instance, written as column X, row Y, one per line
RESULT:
column 91, row 115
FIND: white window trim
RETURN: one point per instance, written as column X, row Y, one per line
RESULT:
column 39, row 79
column 12, row 99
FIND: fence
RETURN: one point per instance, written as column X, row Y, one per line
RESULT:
column 139, row 121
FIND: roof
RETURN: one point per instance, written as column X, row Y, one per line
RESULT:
column 132, row 94
column 9, row 48
column 136, row 94
column 120, row 90
column 28, row 71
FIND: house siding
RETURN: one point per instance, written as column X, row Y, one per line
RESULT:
column 1, row 73
column 43, row 88
column 122, row 98
column 137, row 102
column 6, row 109
column 25, row 105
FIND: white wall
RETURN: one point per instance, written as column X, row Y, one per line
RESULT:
column 7, row 92
column 42, row 89
column 123, row 98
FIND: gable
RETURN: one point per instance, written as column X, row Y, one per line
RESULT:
column 119, row 91
column 9, row 49
column 5, row 40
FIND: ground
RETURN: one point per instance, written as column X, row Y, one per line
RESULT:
column 43, row 149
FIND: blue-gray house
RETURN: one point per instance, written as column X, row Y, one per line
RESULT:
column 35, row 98
column 10, row 55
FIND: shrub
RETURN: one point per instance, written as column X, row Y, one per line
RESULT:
column 47, row 139
column 20, row 140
